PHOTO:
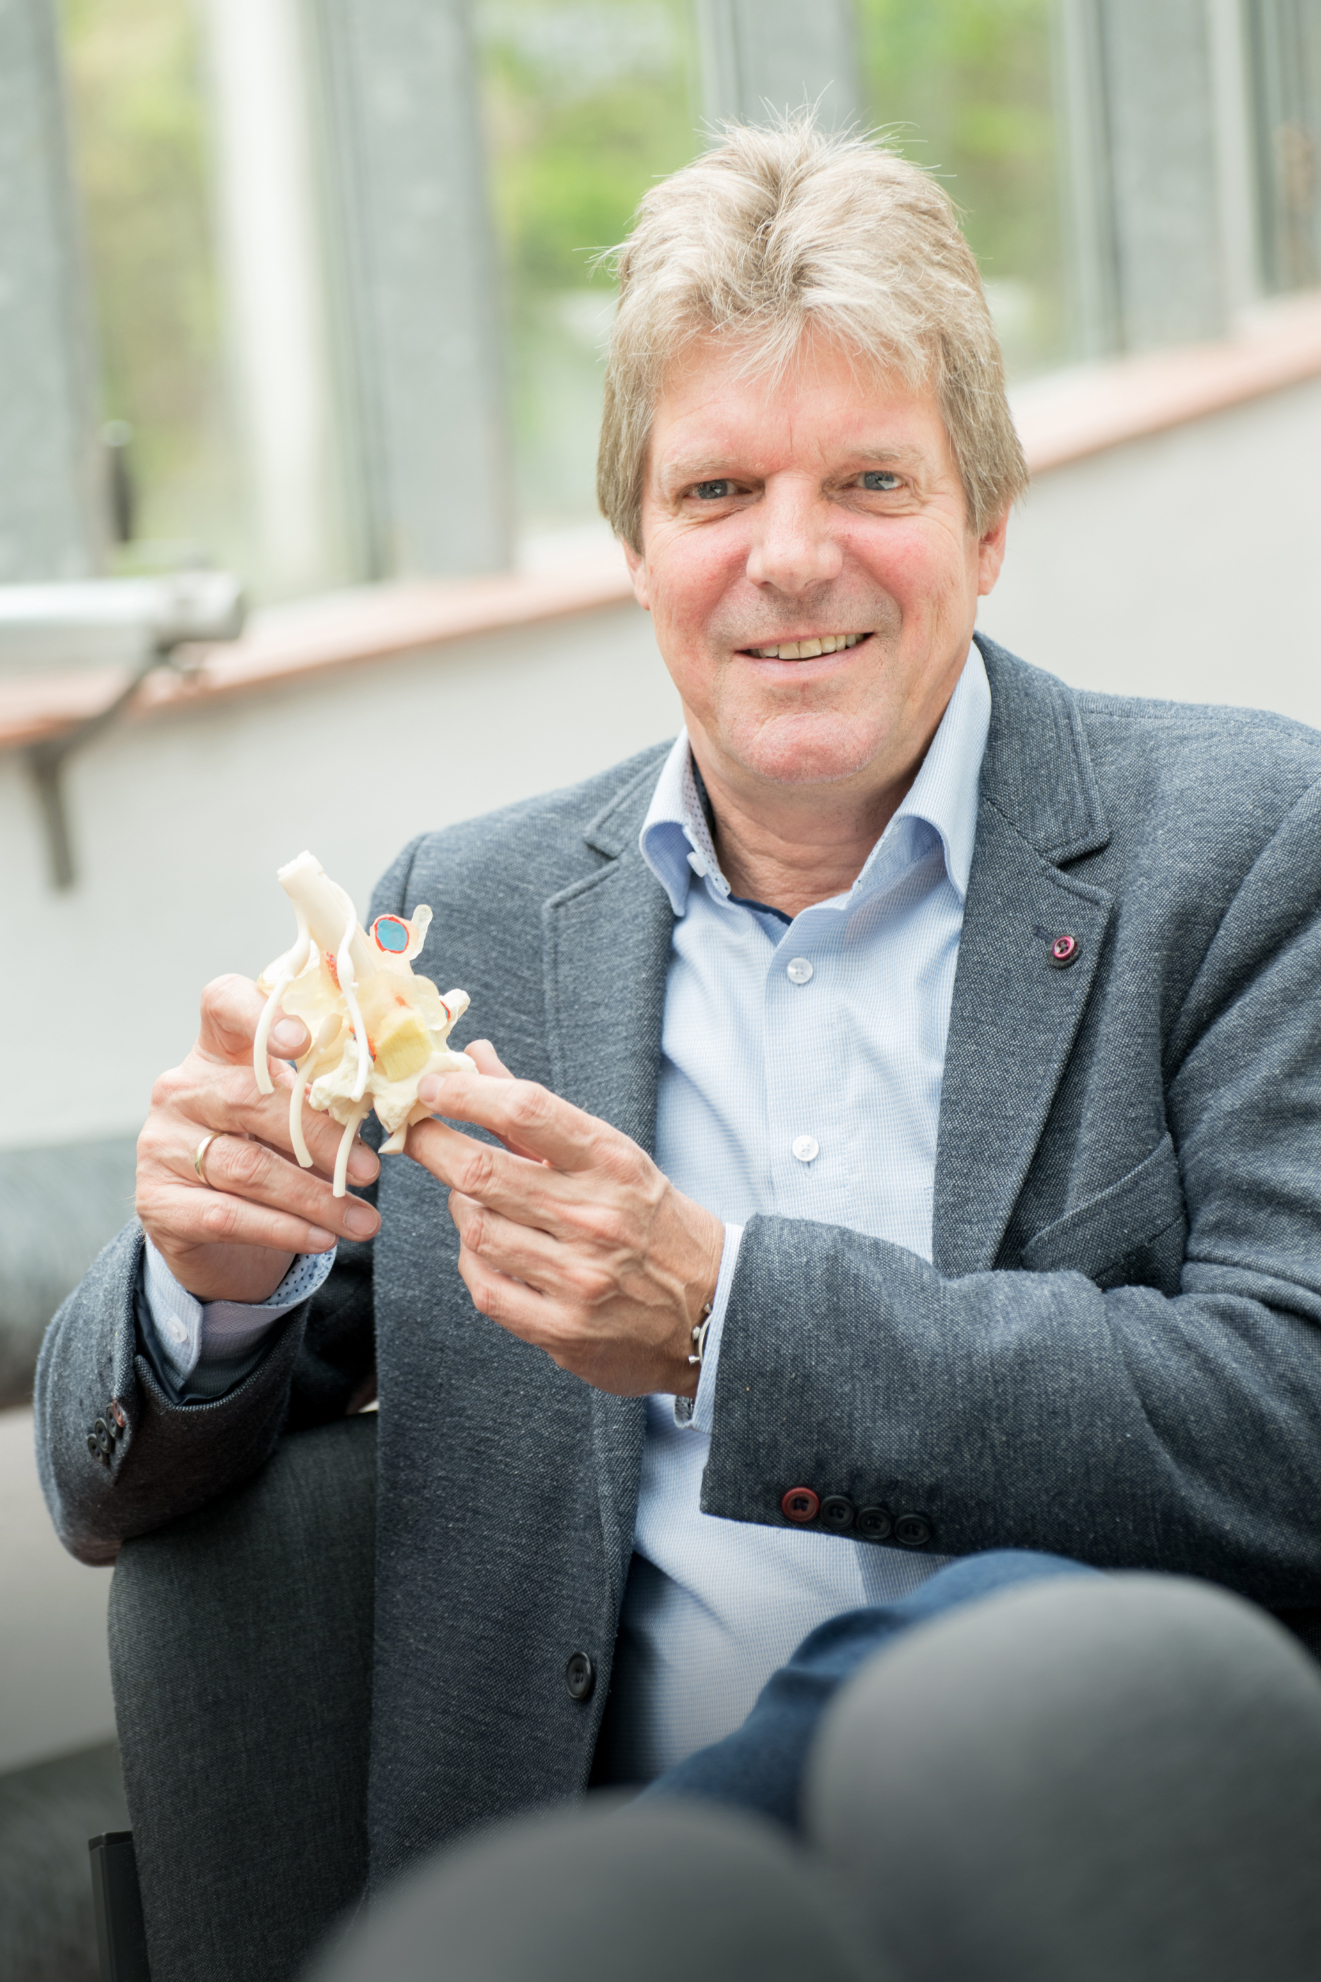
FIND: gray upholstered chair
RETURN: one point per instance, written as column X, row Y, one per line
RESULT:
column 240, row 1647
column 592, row 1894
column 1082, row 1781
column 1070, row 1782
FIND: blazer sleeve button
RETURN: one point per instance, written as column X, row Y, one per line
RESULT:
column 579, row 1676
column 837, row 1511
column 800, row 1505
column 876, row 1524
column 913, row 1531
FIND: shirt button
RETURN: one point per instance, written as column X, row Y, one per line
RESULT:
column 798, row 970
column 806, row 1148
column 178, row 1333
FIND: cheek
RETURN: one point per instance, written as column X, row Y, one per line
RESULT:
column 918, row 567
column 692, row 579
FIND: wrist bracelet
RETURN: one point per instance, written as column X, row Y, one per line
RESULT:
column 699, row 1337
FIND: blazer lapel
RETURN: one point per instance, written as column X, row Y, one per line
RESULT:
column 607, row 946
column 607, row 950
column 1015, row 1016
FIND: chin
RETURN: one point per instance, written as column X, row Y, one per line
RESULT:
column 805, row 751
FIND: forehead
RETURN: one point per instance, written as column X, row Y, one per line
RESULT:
column 718, row 405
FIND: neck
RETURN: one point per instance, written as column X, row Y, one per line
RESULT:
column 790, row 846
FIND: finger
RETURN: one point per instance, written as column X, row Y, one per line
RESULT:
column 490, row 1063
column 289, row 1038
column 231, row 1010
column 525, row 1191
column 201, row 1096
column 179, row 1219
column 488, row 1060
column 259, row 1175
column 526, row 1253
column 248, row 1170
column 535, row 1318
column 521, row 1309
column 520, row 1111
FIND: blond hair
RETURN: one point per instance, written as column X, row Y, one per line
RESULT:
column 777, row 230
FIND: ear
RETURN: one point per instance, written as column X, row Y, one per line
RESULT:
column 637, row 571
column 991, row 555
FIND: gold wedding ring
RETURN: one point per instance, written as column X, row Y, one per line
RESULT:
column 199, row 1157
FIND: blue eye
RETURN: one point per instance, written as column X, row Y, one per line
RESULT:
column 881, row 480
column 712, row 491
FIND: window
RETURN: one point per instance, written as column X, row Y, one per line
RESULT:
column 137, row 115
column 586, row 103
column 966, row 89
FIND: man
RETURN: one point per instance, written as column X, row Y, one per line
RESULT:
column 971, row 1022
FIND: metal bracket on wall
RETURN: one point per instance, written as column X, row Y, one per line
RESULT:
column 143, row 622
column 46, row 761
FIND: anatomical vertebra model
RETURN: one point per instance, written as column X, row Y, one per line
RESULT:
column 376, row 1028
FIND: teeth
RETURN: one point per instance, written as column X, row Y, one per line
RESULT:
column 807, row 650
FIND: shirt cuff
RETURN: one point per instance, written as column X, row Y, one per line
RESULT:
column 699, row 1411
column 189, row 1331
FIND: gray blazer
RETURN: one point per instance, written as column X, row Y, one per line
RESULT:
column 1114, row 1355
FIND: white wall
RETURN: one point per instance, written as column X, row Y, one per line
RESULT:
column 1185, row 565
column 180, row 822
column 1181, row 565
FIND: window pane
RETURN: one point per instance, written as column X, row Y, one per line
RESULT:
column 1285, row 38
column 586, row 102
column 967, row 84
column 137, row 113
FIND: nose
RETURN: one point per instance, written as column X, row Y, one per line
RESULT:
column 794, row 548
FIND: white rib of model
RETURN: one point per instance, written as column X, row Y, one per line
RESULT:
column 376, row 1028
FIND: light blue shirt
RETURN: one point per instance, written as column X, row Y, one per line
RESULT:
column 800, row 1076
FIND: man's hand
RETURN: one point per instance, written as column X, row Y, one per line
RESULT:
column 571, row 1237
column 235, row 1237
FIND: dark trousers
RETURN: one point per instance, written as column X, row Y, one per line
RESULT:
column 759, row 1766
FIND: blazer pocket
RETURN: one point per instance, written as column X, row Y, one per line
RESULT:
column 1130, row 1235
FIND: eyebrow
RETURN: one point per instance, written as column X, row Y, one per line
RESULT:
column 693, row 468
column 709, row 468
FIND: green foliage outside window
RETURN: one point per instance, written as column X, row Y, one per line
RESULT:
column 137, row 114
column 588, row 101
column 585, row 103
column 965, row 87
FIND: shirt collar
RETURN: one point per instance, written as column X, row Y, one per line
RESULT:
column 676, row 841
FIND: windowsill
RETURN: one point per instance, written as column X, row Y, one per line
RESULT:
column 1068, row 415
column 1063, row 418
column 288, row 644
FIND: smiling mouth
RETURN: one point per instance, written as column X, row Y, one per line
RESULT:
column 806, row 650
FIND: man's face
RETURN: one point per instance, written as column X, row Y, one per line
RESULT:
column 824, row 506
